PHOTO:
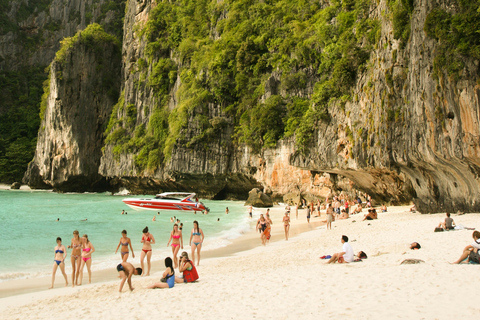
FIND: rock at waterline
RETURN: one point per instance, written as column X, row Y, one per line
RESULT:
column 16, row 185
column 412, row 261
column 257, row 198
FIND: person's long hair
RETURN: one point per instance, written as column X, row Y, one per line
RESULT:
column 169, row 264
column 198, row 227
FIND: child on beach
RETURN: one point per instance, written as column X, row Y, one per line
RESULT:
column 126, row 270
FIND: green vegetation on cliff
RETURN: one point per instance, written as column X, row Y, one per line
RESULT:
column 458, row 34
column 20, row 91
column 274, row 67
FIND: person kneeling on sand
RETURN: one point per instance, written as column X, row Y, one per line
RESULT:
column 448, row 224
column 189, row 271
column 346, row 255
column 168, row 277
column 470, row 248
column 126, row 270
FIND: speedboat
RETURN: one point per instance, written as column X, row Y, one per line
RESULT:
column 175, row 201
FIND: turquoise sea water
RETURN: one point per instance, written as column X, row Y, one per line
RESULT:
column 29, row 228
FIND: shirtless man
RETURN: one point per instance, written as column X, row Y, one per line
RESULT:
column 126, row 270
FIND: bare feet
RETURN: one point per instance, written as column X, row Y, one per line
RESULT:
column 51, row 287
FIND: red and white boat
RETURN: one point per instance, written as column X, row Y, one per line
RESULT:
column 173, row 201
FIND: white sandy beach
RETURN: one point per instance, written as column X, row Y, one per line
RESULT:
column 287, row 280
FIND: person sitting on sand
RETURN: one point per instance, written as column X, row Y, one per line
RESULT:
column 372, row 215
column 448, row 224
column 413, row 208
column 168, row 277
column 187, row 268
column 126, row 270
column 470, row 248
column 358, row 209
column 415, row 246
column 346, row 255
column 343, row 214
column 383, row 208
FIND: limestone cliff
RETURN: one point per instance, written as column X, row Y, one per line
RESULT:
column 362, row 101
column 77, row 109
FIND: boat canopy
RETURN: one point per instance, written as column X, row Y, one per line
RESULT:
column 171, row 195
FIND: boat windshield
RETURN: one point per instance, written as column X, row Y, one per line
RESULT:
column 166, row 197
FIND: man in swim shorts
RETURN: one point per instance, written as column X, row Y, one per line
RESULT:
column 126, row 270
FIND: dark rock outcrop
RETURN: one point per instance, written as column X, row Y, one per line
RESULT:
column 15, row 186
column 257, row 198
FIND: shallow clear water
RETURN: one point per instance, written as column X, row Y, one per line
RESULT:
column 29, row 227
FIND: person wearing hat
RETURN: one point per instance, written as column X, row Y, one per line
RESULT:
column 187, row 268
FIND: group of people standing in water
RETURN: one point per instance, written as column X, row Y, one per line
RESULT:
column 81, row 255
column 82, row 250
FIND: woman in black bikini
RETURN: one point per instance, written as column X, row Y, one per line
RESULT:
column 76, row 246
column 147, row 240
column 59, row 260
column 262, row 226
column 125, row 242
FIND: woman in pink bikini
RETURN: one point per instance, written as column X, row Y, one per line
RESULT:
column 125, row 242
column 177, row 241
column 87, row 250
column 59, row 261
column 75, row 256
column 147, row 240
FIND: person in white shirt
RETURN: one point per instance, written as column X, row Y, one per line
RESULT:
column 474, row 246
column 346, row 255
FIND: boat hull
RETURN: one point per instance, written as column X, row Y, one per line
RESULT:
column 153, row 205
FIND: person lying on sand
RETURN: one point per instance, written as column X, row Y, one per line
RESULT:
column 470, row 248
column 126, row 270
column 346, row 255
column 360, row 256
column 415, row 246
column 448, row 224
column 372, row 215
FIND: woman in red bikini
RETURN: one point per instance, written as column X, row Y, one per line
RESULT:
column 125, row 242
column 59, row 261
column 177, row 241
column 147, row 240
column 87, row 250
column 75, row 256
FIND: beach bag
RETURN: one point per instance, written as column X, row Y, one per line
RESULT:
column 474, row 257
column 438, row 230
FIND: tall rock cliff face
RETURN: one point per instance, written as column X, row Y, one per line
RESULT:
column 357, row 97
column 84, row 84
column 31, row 31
